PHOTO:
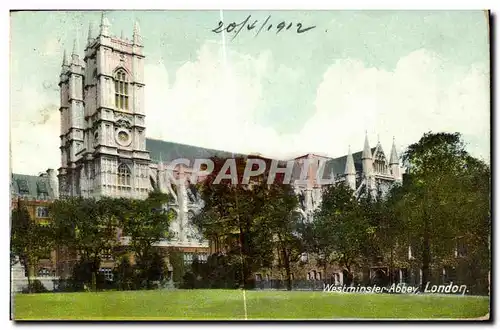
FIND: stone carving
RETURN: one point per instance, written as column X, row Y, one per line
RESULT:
column 123, row 123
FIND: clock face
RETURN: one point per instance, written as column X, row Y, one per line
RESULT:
column 123, row 138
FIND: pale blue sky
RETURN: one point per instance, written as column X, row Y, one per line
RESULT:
column 388, row 72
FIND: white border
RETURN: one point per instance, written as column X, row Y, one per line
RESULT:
column 191, row 4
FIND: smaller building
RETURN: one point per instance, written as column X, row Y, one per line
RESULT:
column 35, row 194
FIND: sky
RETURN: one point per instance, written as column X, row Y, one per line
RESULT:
column 389, row 74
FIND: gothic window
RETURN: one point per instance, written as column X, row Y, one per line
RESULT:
column 106, row 254
column 121, row 90
column 107, row 273
column 96, row 138
column 23, row 187
column 202, row 257
column 123, row 175
column 42, row 212
column 174, row 236
column 44, row 272
column 42, row 190
column 188, row 258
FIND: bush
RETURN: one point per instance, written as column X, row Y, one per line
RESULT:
column 35, row 287
column 188, row 281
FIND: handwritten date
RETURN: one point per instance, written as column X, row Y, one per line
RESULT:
column 251, row 24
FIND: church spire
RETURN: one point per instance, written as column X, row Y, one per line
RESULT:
column 89, row 36
column 350, row 171
column 137, row 34
column 349, row 164
column 64, row 65
column 379, row 148
column 367, row 159
column 367, row 153
column 74, row 53
column 74, row 47
column 394, row 163
column 394, row 155
column 104, row 26
column 65, row 59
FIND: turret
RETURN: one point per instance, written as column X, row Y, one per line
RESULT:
column 75, row 58
column 64, row 66
column 350, row 171
column 367, row 158
column 104, row 26
column 137, row 39
column 89, row 36
column 394, row 162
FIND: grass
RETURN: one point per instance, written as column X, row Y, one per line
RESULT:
column 229, row 305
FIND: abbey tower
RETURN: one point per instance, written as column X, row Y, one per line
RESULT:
column 103, row 133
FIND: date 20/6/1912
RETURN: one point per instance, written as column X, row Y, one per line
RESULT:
column 237, row 27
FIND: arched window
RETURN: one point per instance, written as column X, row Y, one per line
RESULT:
column 123, row 175
column 121, row 90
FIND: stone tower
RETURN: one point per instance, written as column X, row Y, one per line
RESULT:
column 350, row 171
column 103, row 133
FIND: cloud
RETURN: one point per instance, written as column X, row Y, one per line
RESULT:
column 423, row 93
column 211, row 104
column 215, row 105
column 35, row 147
column 219, row 104
column 52, row 47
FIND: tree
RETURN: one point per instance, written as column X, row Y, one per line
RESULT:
column 229, row 215
column 124, row 274
column 145, row 223
column 279, row 223
column 445, row 197
column 87, row 226
column 29, row 241
column 151, row 268
column 340, row 230
column 176, row 259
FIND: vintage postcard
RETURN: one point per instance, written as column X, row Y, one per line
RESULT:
column 250, row 165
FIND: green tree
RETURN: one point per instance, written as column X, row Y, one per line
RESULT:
column 229, row 216
column 124, row 274
column 279, row 224
column 145, row 223
column 445, row 197
column 340, row 229
column 87, row 226
column 29, row 241
column 176, row 259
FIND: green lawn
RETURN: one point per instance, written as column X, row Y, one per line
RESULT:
column 229, row 305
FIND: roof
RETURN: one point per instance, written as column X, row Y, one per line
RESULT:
column 31, row 186
column 165, row 151
column 337, row 165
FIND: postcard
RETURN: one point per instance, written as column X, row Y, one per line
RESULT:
column 250, row 165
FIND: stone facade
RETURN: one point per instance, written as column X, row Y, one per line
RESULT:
column 103, row 135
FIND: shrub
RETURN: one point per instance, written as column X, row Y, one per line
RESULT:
column 35, row 287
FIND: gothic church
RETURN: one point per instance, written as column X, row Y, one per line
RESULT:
column 105, row 152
